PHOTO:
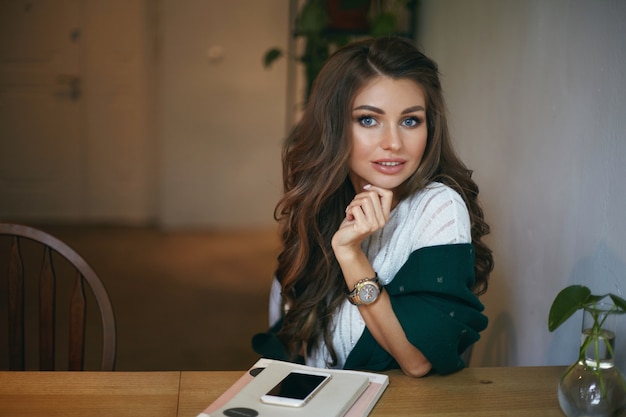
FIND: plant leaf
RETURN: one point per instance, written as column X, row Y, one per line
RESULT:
column 313, row 18
column 271, row 56
column 353, row 4
column 593, row 299
column 384, row 24
column 619, row 302
column 566, row 303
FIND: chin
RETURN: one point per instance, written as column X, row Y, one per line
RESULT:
column 388, row 185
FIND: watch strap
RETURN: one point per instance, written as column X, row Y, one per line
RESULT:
column 353, row 296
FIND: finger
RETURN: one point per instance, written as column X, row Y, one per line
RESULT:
column 367, row 213
column 370, row 205
column 379, row 205
column 386, row 198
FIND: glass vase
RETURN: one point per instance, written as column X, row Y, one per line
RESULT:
column 593, row 385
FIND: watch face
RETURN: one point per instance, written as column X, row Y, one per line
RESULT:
column 368, row 293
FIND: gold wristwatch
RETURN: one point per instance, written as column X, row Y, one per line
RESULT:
column 366, row 291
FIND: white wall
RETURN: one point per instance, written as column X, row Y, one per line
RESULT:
column 119, row 110
column 537, row 98
column 221, row 118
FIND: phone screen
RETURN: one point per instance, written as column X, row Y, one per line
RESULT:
column 296, row 388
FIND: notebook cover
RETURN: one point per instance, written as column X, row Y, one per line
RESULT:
column 348, row 393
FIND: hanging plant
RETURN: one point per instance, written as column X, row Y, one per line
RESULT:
column 327, row 25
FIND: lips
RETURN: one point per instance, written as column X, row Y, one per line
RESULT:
column 389, row 166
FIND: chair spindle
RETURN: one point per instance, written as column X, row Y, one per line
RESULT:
column 77, row 325
column 16, row 307
column 47, row 312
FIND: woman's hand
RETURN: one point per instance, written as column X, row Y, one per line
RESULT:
column 366, row 213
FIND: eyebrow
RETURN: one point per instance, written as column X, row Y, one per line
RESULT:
column 380, row 111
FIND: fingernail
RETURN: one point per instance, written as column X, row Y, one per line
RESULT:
column 367, row 186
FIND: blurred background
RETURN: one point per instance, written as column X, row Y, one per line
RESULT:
column 147, row 133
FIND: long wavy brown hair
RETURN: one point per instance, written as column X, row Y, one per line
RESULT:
column 317, row 189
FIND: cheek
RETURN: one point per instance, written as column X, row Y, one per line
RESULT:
column 361, row 149
column 421, row 148
column 417, row 145
column 356, row 161
column 423, row 139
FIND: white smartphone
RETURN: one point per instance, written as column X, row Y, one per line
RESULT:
column 296, row 389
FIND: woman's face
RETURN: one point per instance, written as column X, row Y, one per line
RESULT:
column 388, row 132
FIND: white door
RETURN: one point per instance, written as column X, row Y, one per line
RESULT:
column 76, row 136
column 41, row 172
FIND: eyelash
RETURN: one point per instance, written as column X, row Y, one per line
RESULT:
column 361, row 120
column 417, row 121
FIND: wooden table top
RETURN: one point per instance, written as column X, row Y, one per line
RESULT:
column 484, row 392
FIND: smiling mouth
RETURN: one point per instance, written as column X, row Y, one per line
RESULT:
column 389, row 164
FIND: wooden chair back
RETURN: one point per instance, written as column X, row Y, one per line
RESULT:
column 73, row 306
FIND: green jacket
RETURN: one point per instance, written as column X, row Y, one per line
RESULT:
column 432, row 298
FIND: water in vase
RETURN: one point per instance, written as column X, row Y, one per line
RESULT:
column 594, row 387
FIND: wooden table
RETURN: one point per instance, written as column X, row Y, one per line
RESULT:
column 519, row 391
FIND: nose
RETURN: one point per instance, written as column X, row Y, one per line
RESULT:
column 391, row 139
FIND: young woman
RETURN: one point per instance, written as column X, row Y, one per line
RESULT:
column 382, row 258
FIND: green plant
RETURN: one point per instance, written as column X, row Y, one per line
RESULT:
column 321, row 39
column 579, row 297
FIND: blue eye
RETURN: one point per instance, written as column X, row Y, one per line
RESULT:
column 411, row 122
column 367, row 121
